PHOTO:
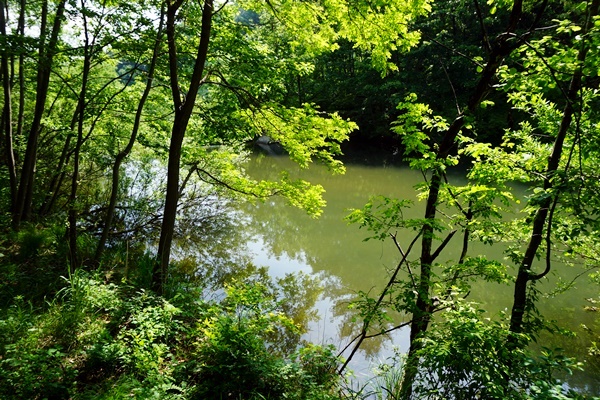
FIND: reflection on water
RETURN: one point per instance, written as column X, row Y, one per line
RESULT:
column 334, row 262
column 220, row 251
column 287, row 240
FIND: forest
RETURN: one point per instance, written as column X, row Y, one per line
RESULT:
column 126, row 130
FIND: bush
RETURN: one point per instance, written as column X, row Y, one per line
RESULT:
column 465, row 357
column 32, row 364
column 31, row 263
column 34, row 374
column 233, row 358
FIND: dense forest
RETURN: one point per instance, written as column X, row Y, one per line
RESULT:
column 125, row 129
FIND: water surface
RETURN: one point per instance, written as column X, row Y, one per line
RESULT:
column 285, row 240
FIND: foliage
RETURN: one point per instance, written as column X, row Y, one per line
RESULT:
column 382, row 215
column 100, row 339
column 464, row 356
column 547, row 148
column 31, row 264
column 387, row 379
column 271, row 68
column 236, row 362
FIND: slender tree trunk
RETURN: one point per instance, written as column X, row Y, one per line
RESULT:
column 57, row 179
column 46, row 54
column 501, row 48
column 183, row 111
column 75, row 262
column 125, row 152
column 21, row 112
column 525, row 274
column 7, row 113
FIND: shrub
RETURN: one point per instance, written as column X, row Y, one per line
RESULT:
column 37, row 373
column 233, row 358
column 465, row 356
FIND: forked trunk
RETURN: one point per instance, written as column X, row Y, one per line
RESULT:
column 541, row 219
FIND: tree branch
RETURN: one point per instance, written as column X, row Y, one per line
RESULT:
column 441, row 247
column 486, row 39
column 367, row 321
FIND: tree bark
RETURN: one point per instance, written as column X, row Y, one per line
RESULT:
column 57, row 179
column 7, row 113
column 80, row 118
column 21, row 32
column 183, row 112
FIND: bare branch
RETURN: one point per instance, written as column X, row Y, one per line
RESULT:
column 453, row 90
column 441, row 247
column 390, row 283
column 410, row 273
column 228, row 186
column 402, row 325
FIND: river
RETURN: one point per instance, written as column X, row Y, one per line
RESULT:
column 285, row 240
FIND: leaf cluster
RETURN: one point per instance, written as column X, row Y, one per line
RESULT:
column 464, row 356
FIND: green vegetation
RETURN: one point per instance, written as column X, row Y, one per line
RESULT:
column 545, row 80
column 100, row 339
column 124, row 129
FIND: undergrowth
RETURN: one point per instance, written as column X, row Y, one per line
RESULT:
column 97, row 339
column 101, row 335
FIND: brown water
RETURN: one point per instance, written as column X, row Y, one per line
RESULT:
column 287, row 240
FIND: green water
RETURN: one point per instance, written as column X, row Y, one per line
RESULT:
column 287, row 240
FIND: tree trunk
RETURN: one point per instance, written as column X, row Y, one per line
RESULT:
column 125, row 152
column 80, row 118
column 57, row 179
column 422, row 314
column 525, row 274
column 21, row 112
column 183, row 112
column 46, row 54
column 7, row 113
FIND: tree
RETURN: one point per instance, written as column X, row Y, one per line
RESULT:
column 544, row 206
column 433, row 151
column 433, row 146
column 307, row 29
column 183, row 105
column 123, row 154
column 47, row 49
column 7, row 120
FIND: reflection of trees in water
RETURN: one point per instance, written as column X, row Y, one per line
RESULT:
column 277, row 224
column 340, row 271
column 328, row 243
column 577, row 345
column 333, row 249
column 351, row 324
column 139, row 213
column 139, row 209
column 211, row 249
